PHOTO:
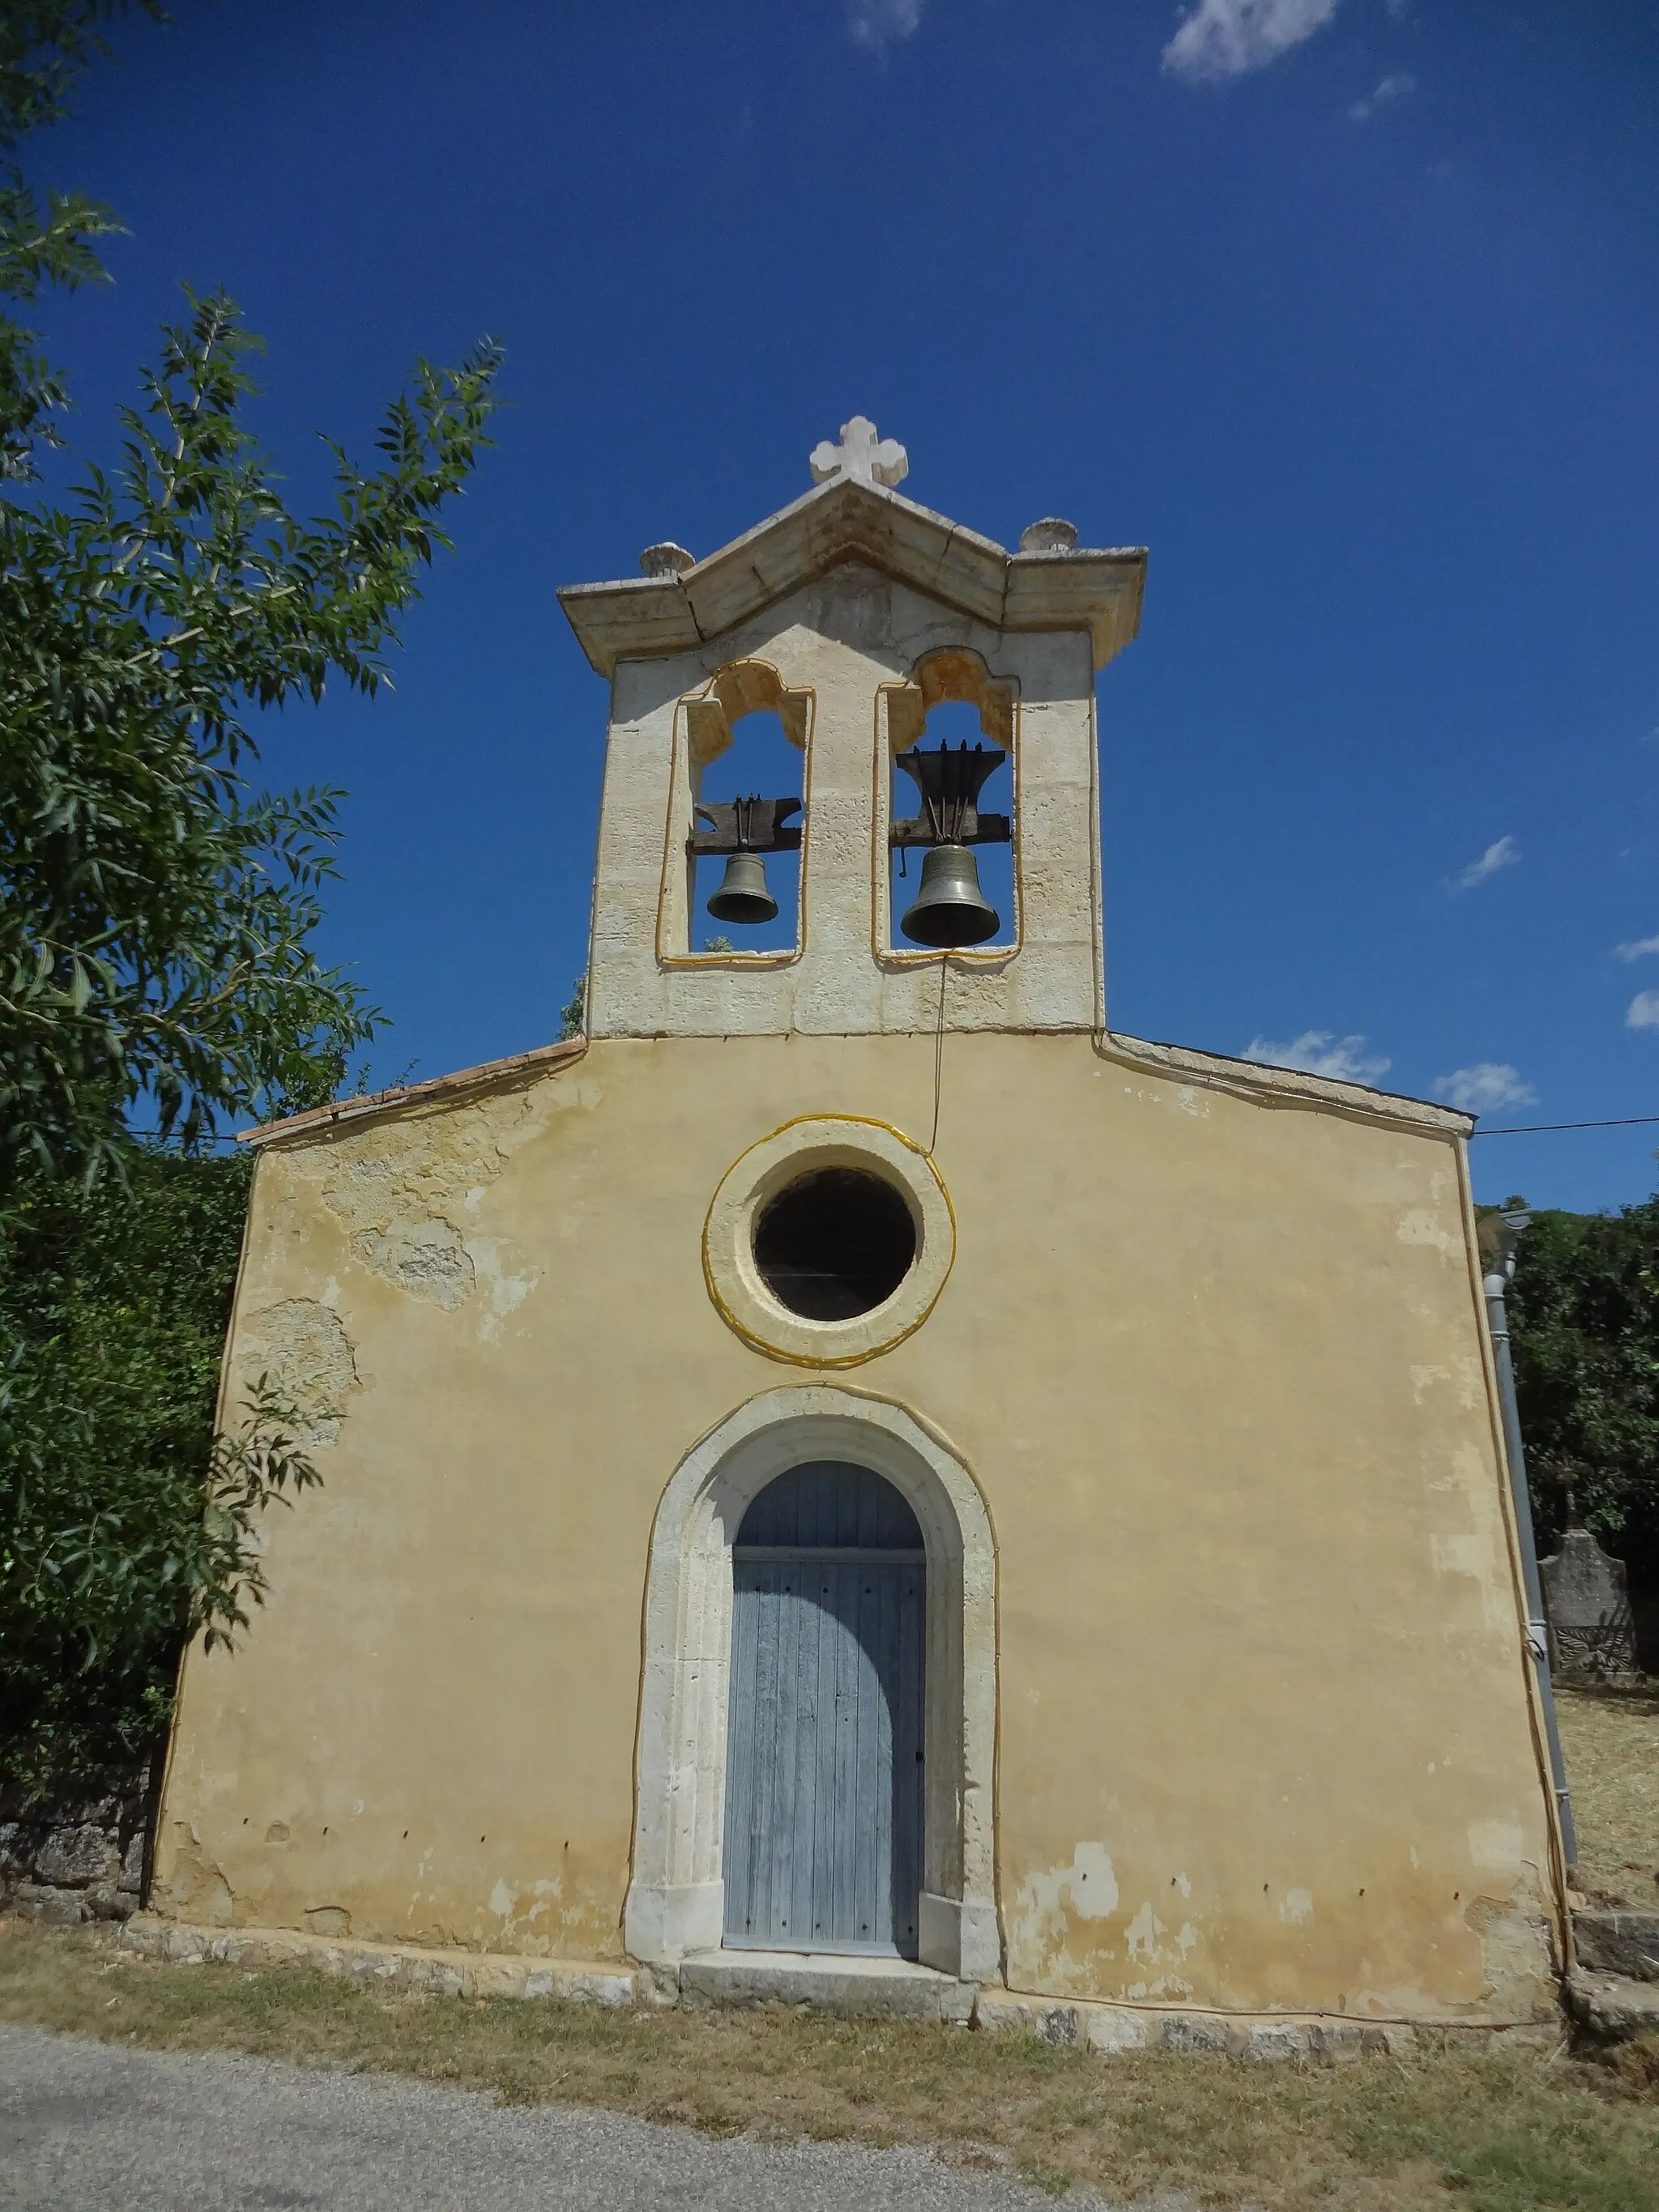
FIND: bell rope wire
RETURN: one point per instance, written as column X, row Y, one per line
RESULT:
column 938, row 1049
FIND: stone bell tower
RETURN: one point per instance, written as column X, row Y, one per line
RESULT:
column 851, row 614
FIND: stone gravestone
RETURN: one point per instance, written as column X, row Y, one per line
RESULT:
column 1589, row 1615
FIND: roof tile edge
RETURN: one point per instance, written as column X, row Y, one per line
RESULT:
column 316, row 1119
column 1294, row 1084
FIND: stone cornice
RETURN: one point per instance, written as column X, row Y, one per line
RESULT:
column 318, row 1120
column 647, row 617
column 1281, row 1086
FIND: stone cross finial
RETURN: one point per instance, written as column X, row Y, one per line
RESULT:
column 862, row 456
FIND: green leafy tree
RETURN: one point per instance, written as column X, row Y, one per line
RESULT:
column 1584, row 1329
column 157, row 910
column 127, row 1524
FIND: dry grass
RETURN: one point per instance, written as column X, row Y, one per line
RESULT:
column 1488, row 2133
column 1494, row 2133
column 1610, row 1741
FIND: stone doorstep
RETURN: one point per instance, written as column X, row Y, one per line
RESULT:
column 388, row 1966
column 1618, row 1942
column 890, row 1989
column 1609, row 2008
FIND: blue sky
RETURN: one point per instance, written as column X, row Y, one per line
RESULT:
column 1347, row 309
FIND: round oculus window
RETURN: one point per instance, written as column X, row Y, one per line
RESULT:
column 829, row 1241
column 834, row 1243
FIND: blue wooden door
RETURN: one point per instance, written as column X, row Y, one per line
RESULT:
column 823, row 1773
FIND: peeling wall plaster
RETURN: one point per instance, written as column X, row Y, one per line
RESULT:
column 408, row 1189
column 1049, row 1897
column 301, row 1344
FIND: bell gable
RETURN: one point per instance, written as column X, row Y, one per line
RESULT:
column 851, row 617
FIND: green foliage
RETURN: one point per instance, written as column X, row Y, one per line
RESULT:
column 1584, row 1329
column 156, row 912
column 156, row 909
column 114, row 1306
column 44, row 46
column 155, row 936
column 574, row 1012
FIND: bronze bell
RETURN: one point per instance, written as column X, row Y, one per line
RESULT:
column 743, row 894
column 950, row 908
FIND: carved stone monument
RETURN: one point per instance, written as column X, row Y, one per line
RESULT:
column 1588, row 1607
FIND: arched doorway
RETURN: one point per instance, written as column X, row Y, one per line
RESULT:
column 825, row 1733
column 675, row 1903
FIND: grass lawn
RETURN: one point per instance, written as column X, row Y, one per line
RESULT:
column 1443, row 2128
column 1486, row 2132
column 1610, row 1741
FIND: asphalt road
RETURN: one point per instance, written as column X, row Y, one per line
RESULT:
column 90, row 2127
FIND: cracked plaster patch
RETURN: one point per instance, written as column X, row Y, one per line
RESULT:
column 301, row 1344
column 1516, row 1947
column 425, row 1258
column 404, row 1190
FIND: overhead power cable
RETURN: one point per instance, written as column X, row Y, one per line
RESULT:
column 1543, row 1128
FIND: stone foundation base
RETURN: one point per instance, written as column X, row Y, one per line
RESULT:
column 1613, row 2008
column 387, row 1965
column 1260, row 2036
column 736, row 1977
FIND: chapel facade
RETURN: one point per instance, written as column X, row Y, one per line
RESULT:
column 851, row 1458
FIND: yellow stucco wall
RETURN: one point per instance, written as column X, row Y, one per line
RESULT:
column 1214, row 1356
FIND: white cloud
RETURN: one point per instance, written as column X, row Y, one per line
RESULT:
column 1485, row 1087
column 1637, row 949
column 1316, row 1051
column 1505, row 852
column 1390, row 89
column 1643, row 1011
column 1230, row 38
column 877, row 23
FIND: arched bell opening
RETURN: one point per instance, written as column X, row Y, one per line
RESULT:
column 744, row 797
column 677, row 1902
column 951, row 878
column 731, row 892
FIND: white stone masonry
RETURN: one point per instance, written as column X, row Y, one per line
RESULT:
column 851, row 615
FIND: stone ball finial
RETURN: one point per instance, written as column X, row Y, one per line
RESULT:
column 862, row 456
column 1051, row 534
column 666, row 559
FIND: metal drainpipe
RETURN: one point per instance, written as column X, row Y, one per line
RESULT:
column 1537, row 1640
